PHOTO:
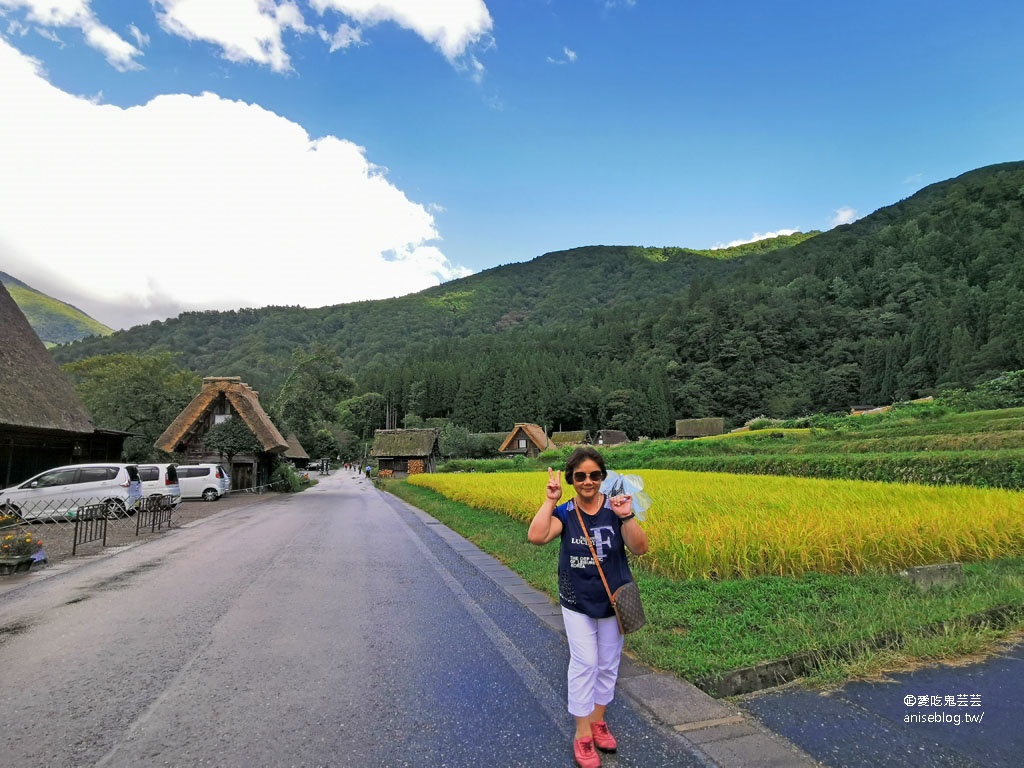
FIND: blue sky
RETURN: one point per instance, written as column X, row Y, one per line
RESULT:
column 210, row 154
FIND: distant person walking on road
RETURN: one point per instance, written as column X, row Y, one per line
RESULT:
column 367, row 471
column 595, row 644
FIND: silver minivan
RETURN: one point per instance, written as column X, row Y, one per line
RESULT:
column 161, row 481
column 59, row 493
column 203, row 481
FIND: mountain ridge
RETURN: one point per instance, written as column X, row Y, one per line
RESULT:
column 923, row 294
column 54, row 321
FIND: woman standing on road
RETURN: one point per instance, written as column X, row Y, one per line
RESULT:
column 595, row 644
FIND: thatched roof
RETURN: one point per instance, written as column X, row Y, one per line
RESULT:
column 580, row 437
column 402, row 443
column 295, row 449
column 244, row 401
column 532, row 432
column 499, row 436
column 34, row 393
column 611, row 437
column 706, row 427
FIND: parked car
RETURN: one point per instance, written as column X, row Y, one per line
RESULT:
column 203, row 481
column 59, row 493
column 161, row 480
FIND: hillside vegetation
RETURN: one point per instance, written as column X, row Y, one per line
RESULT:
column 919, row 297
column 53, row 321
column 911, row 445
column 935, row 443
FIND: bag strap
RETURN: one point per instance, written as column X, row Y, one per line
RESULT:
column 593, row 552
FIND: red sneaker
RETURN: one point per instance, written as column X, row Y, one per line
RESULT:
column 603, row 738
column 585, row 754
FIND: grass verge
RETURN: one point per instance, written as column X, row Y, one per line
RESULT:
column 851, row 626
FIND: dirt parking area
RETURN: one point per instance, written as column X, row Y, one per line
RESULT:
column 58, row 537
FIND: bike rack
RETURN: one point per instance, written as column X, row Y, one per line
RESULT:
column 90, row 525
column 154, row 512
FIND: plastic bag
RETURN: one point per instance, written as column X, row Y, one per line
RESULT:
column 633, row 485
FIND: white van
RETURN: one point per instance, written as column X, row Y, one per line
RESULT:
column 160, row 480
column 203, row 481
column 60, row 492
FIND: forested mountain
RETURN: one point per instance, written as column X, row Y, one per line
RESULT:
column 53, row 321
column 923, row 294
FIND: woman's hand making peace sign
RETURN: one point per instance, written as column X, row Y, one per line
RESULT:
column 545, row 525
column 554, row 486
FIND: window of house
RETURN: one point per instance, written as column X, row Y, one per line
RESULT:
column 522, row 442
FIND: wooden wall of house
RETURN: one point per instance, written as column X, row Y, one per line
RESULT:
column 24, row 453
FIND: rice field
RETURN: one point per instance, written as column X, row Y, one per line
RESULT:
column 719, row 526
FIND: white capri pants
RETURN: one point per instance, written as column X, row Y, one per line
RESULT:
column 595, row 648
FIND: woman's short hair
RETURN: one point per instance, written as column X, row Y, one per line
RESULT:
column 580, row 455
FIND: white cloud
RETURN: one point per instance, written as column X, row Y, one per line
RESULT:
column 253, row 30
column 569, row 57
column 196, row 202
column 78, row 14
column 15, row 28
column 49, row 34
column 755, row 237
column 844, row 215
column 453, row 25
column 342, row 38
column 245, row 30
column 141, row 39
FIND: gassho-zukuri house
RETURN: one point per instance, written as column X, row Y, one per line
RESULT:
column 526, row 440
column 406, row 451
column 221, row 398
column 43, row 422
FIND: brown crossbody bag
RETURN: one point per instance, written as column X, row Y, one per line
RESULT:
column 629, row 610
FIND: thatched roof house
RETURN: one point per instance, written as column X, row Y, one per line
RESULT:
column 225, row 397
column 611, row 437
column 690, row 428
column 580, row 437
column 406, row 451
column 295, row 450
column 43, row 422
column 526, row 440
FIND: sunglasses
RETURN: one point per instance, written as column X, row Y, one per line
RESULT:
column 579, row 477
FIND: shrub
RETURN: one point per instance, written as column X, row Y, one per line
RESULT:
column 284, row 479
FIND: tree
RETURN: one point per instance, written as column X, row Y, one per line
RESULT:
column 417, row 399
column 625, row 410
column 453, row 440
column 230, row 437
column 312, row 391
column 141, row 394
column 413, row 421
column 363, row 414
column 324, row 445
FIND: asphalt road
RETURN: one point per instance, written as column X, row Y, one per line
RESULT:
column 940, row 717
column 328, row 628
